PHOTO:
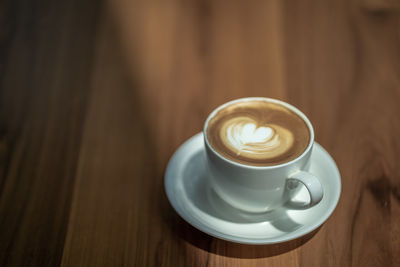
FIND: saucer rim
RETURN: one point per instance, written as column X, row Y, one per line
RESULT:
column 168, row 187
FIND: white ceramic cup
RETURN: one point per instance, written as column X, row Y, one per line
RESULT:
column 260, row 189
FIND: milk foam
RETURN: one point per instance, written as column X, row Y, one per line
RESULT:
column 244, row 137
column 258, row 133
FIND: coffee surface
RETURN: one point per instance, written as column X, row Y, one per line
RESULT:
column 258, row 132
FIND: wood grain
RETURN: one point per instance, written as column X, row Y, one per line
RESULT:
column 96, row 96
column 44, row 91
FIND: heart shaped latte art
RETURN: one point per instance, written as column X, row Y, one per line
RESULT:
column 250, row 134
column 245, row 137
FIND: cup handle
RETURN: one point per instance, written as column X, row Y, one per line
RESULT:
column 313, row 186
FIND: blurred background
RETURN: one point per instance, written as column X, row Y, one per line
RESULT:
column 95, row 96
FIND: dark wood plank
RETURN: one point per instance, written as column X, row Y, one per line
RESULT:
column 46, row 51
column 116, row 189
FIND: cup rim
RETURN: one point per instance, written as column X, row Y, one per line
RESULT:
column 271, row 100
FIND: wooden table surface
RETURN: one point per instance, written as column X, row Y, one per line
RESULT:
column 95, row 96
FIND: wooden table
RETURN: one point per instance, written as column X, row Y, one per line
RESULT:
column 95, row 96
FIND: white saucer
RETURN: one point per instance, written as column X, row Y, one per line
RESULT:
column 188, row 190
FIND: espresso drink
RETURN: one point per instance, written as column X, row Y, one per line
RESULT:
column 258, row 132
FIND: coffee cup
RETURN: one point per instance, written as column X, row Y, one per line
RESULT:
column 258, row 154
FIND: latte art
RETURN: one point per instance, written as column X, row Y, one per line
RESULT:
column 242, row 136
column 258, row 132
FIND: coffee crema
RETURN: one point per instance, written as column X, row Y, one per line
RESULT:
column 258, row 132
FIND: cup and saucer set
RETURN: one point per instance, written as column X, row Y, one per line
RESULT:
column 253, row 203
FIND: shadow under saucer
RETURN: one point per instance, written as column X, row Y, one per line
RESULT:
column 210, row 244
